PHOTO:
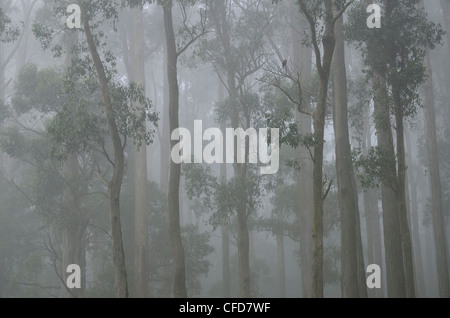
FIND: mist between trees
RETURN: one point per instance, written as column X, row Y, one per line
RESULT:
column 95, row 105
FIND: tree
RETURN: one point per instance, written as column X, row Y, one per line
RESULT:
column 237, row 53
column 173, row 53
column 395, row 62
column 140, row 165
column 179, row 272
column 91, row 75
column 435, row 184
column 76, row 221
column 446, row 11
column 313, row 13
column 115, row 183
column 302, row 56
column 360, row 116
column 352, row 261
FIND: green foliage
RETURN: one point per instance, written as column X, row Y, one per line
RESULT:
column 360, row 96
column 40, row 90
column 196, row 248
column 245, row 28
column 249, row 105
column 80, row 124
column 219, row 198
column 132, row 111
column 284, row 218
column 8, row 31
column 75, row 130
column 21, row 253
column 375, row 167
column 279, row 113
column 195, row 242
column 398, row 48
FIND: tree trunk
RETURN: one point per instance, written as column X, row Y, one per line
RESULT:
column 243, row 252
column 395, row 276
column 392, row 240
column 306, row 207
column 281, row 267
column 374, row 244
column 415, row 228
column 114, row 186
column 401, row 198
column 435, row 183
column 2, row 99
column 225, row 227
column 165, row 134
column 319, row 127
column 140, row 165
column 242, row 216
column 302, row 63
column 351, row 264
column 323, row 65
column 74, row 221
column 221, row 23
column 446, row 11
column 73, row 245
column 179, row 274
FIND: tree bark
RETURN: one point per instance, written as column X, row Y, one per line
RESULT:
column 114, row 186
column 352, row 266
column 401, row 198
column 414, row 213
column 73, row 239
column 221, row 22
column 140, row 165
column 179, row 274
column 281, row 267
column 435, row 184
column 2, row 99
column 302, row 62
column 392, row 240
column 323, row 65
column 74, row 221
column 165, row 134
column 374, row 243
column 226, row 288
column 446, row 11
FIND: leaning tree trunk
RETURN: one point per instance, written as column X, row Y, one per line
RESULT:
column 352, row 266
column 179, row 272
column 435, row 184
column 114, row 186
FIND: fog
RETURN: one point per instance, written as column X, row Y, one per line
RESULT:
column 224, row 149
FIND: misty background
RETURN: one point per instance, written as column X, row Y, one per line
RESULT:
column 86, row 175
